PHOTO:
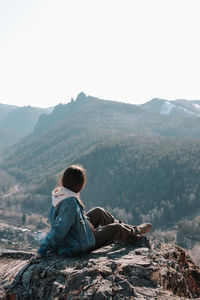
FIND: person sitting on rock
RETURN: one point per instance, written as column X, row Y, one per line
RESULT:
column 72, row 230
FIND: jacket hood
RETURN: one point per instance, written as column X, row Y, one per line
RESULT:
column 60, row 193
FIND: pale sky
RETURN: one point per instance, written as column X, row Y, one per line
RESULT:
column 124, row 50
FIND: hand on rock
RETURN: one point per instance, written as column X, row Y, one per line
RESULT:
column 91, row 226
column 34, row 258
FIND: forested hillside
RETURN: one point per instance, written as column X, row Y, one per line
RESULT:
column 152, row 179
column 144, row 166
column 7, row 137
column 74, row 128
column 6, row 182
column 140, row 178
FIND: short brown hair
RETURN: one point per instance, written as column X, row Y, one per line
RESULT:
column 74, row 178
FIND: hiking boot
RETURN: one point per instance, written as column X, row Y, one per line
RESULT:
column 143, row 228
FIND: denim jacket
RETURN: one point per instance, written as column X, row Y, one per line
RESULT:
column 70, row 232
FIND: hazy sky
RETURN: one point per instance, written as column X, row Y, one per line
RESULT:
column 126, row 50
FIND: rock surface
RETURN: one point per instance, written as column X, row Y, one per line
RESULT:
column 146, row 269
column 18, row 238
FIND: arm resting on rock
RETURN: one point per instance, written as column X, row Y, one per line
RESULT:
column 62, row 224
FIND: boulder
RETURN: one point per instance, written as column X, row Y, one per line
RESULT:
column 144, row 269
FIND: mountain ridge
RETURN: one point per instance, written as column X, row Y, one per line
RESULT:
column 17, row 122
column 185, row 108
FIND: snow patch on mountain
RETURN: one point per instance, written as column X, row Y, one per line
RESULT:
column 197, row 106
column 166, row 108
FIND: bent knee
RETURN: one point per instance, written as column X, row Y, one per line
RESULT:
column 98, row 209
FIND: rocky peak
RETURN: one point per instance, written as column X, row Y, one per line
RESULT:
column 81, row 97
column 146, row 269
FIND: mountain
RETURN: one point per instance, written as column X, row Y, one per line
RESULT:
column 137, row 178
column 148, row 162
column 141, row 165
column 22, row 119
column 17, row 122
column 144, row 179
column 76, row 127
column 5, row 109
column 192, row 105
column 182, row 108
column 7, row 137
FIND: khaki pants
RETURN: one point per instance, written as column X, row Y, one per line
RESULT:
column 109, row 232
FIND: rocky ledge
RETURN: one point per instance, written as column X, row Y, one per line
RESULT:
column 146, row 269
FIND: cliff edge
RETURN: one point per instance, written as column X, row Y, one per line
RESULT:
column 146, row 269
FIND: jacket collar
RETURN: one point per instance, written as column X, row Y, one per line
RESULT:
column 60, row 193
